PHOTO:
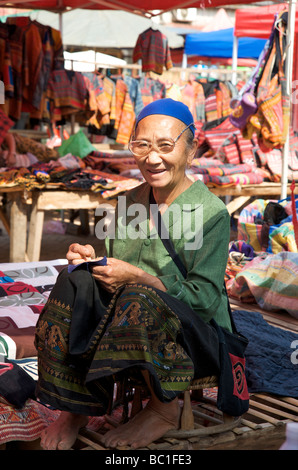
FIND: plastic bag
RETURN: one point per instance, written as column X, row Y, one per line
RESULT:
column 77, row 144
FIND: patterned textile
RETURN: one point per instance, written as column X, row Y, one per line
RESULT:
column 151, row 89
column 231, row 180
column 82, row 346
column 192, row 95
column 271, row 281
column 67, row 93
column 15, row 37
column 221, row 170
column 127, row 121
column 135, row 94
column 5, row 67
column 153, row 49
column 5, row 125
column 217, row 135
column 226, row 98
column 231, row 154
column 274, row 163
column 273, row 238
column 245, row 150
column 33, row 61
column 25, row 424
column 24, row 290
column 224, row 174
column 97, row 102
column 39, row 150
column 211, row 108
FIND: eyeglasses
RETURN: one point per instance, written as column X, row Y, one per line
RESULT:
column 141, row 148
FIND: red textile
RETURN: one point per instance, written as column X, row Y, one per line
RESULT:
column 153, row 49
column 5, row 125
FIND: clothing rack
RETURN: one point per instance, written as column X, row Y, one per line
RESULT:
column 176, row 70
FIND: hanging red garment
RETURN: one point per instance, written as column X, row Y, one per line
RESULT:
column 153, row 49
column 15, row 37
column 32, row 62
column 5, row 125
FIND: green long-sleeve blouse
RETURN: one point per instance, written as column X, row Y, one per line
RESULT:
column 199, row 226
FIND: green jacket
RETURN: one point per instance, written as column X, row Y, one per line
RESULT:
column 199, row 226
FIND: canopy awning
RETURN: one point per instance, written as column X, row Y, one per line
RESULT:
column 257, row 22
column 103, row 29
column 146, row 7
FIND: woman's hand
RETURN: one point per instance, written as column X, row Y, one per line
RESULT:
column 79, row 253
column 115, row 274
column 118, row 273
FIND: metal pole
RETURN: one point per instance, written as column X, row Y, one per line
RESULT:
column 184, row 66
column 288, row 74
column 234, row 60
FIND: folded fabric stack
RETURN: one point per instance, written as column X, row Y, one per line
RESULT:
column 271, row 281
column 263, row 262
column 220, row 140
column 268, row 226
column 98, row 173
column 221, row 174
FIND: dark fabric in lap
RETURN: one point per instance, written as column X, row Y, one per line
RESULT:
column 98, row 336
column 198, row 338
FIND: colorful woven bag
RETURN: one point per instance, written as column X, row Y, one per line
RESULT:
column 271, row 121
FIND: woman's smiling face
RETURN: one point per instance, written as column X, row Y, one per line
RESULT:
column 163, row 170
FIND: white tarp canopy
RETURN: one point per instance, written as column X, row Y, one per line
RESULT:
column 103, row 29
column 89, row 61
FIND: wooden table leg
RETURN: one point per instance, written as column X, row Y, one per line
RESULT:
column 5, row 221
column 236, row 203
column 35, row 230
column 18, row 229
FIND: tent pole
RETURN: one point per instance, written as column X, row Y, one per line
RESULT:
column 60, row 23
column 184, row 66
column 288, row 74
column 234, row 60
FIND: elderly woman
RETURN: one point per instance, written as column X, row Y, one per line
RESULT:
column 139, row 315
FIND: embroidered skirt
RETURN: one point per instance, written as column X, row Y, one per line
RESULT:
column 87, row 339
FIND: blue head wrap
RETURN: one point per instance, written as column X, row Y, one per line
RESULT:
column 168, row 107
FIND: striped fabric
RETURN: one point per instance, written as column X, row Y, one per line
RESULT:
column 231, row 154
column 153, row 49
column 232, row 180
column 250, row 225
column 5, row 125
column 272, row 282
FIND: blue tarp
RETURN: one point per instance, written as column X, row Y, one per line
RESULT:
column 220, row 44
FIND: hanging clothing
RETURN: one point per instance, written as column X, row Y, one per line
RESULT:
column 153, row 49
column 15, row 37
column 32, row 62
column 67, row 93
column 134, row 91
column 5, row 125
column 123, row 112
column 5, row 68
column 97, row 102
column 151, row 89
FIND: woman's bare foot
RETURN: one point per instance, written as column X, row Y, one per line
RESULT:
column 147, row 426
column 62, row 434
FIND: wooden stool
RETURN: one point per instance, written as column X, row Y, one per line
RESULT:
column 188, row 425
